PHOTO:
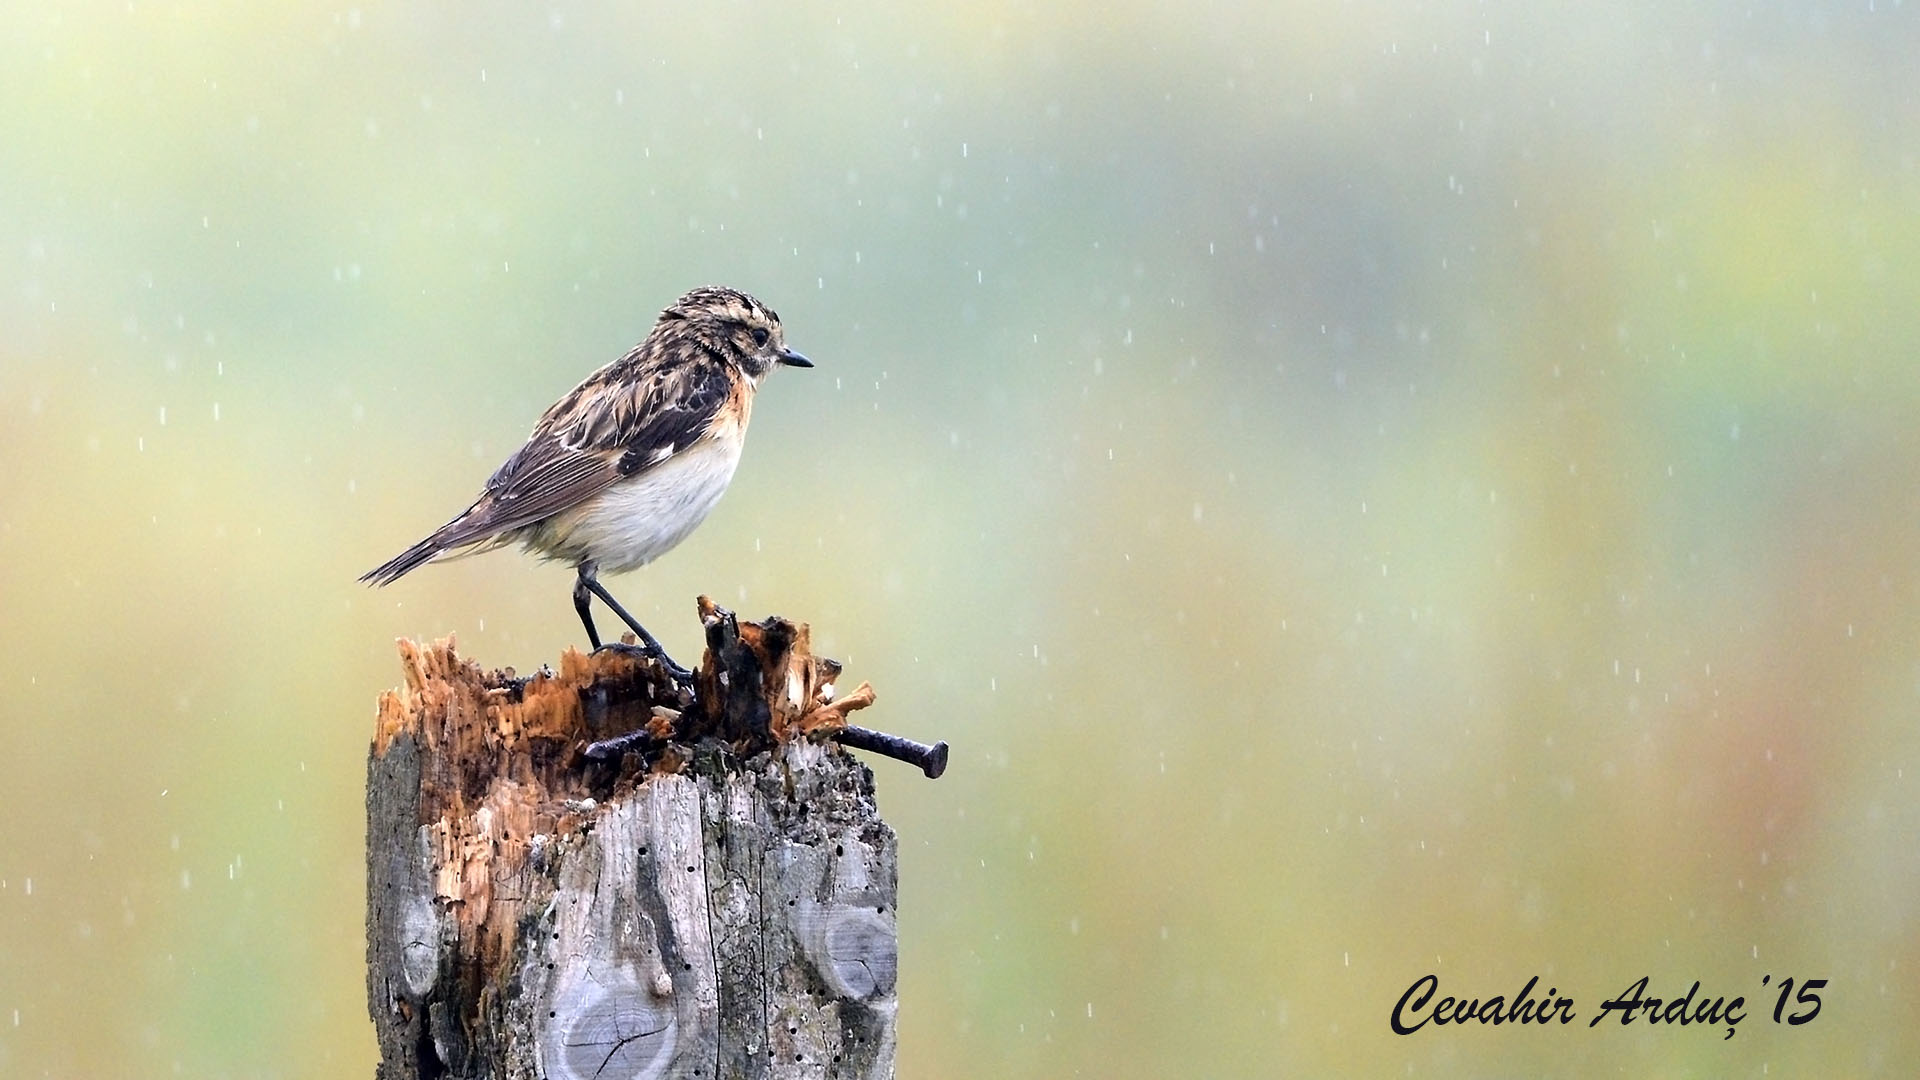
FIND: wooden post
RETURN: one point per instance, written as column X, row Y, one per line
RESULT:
column 714, row 902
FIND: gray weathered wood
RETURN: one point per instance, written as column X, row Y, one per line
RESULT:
column 715, row 911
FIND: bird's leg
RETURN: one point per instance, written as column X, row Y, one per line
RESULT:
column 581, row 601
column 592, row 584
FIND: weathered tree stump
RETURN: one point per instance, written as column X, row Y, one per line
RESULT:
column 714, row 901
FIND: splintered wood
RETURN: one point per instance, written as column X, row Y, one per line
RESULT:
column 717, row 904
column 795, row 688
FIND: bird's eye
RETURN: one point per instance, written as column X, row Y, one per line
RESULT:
column 759, row 335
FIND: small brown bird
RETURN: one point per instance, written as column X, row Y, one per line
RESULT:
column 632, row 460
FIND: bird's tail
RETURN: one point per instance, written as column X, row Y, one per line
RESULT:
column 393, row 569
column 468, row 534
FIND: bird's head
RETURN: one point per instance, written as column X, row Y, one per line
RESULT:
column 734, row 326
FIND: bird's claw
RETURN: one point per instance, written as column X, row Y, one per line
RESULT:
column 682, row 677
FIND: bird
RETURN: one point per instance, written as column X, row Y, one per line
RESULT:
column 628, row 463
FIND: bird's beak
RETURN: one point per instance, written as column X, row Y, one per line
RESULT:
column 794, row 359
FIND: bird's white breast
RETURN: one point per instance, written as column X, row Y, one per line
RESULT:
column 636, row 521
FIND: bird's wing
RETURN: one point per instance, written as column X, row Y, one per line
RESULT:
column 607, row 429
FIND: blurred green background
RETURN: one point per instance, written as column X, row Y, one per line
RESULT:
column 1367, row 489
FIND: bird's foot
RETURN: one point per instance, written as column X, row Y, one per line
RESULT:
column 682, row 677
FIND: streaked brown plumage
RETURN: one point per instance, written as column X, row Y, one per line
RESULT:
column 633, row 459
